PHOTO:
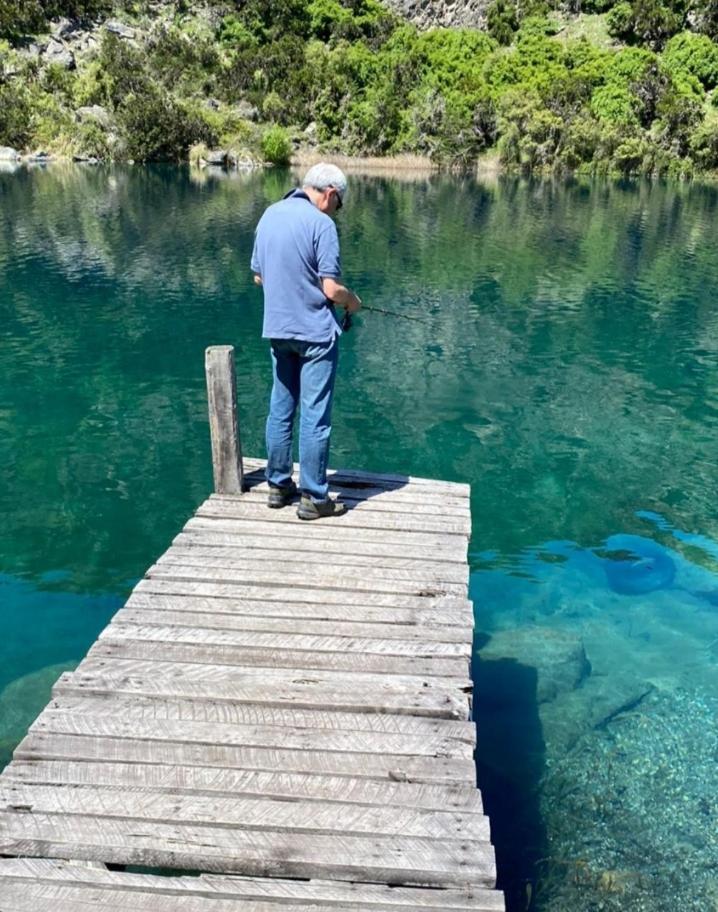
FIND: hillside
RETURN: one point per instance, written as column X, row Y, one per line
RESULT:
column 624, row 87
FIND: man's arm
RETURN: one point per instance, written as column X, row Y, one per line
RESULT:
column 339, row 294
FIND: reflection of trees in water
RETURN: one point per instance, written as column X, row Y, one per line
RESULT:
column 566, row 369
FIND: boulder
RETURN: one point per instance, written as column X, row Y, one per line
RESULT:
column 8, row 154
column 213, row 104
column 556, row 660
column 62, row 28
column 246, row 110
column 119, row 29
column 56, row 53
column 216, row 157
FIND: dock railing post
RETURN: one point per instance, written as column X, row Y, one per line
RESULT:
column 223, row 424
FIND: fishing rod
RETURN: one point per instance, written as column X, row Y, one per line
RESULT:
column 347, row 319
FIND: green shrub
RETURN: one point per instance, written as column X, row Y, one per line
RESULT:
column 649, row 22
column 154, row 127
column 704, row 145
column 630, row 156
column 276, row 145
column 694, row 54
column 502, row 20
column 15, row 116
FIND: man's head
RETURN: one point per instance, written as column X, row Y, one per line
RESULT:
column 326, row 186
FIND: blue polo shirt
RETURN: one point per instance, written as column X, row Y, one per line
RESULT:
column 295, row 246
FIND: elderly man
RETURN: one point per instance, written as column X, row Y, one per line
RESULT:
column 296, row 261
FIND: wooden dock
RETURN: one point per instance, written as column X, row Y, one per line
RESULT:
column 281, row 710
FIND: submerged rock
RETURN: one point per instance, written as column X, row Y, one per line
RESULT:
column 557, row 658
column 636, row 565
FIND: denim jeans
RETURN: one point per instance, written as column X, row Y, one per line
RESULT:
column 304, row 375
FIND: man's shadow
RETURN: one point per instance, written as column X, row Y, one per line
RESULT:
column 350, row 488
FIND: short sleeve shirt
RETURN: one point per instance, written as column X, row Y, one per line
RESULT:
column 295, row 246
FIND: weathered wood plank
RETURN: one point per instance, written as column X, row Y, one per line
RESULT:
column 419, row 495
column 386, row 859
column 223, row 423
column 68, row 898
column 214, row 532
column 310, row 553
column 301, row 694
column 447, row 545
column 162, row 643
column 242, row 813
column 335, row 581
column 447, row 621
column 252, row 783
column 400, row 501
column 386, row 767
column 121, row 663
column 411, row 523
column 240, row 560
column 112, row 725
column 318, row 895
column 431, row 598
column 324, row 635
column 177, row 710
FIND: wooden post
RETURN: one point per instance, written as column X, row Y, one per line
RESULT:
column 224, row 430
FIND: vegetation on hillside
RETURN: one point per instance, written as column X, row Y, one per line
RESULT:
column 623, row 87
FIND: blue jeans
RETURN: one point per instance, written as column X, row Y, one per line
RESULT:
column 304, row 375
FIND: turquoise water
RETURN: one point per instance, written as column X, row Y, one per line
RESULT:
column 566, row 365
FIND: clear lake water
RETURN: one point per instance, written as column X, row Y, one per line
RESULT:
column 564, row 362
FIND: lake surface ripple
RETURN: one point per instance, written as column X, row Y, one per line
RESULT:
column 566, row 364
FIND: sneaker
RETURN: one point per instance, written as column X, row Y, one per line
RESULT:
column 311, row 509
column 280, row 497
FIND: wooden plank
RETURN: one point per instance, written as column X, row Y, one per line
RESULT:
column 301, row 694
column 326, row 579
column 317, row 894
column 385, row 859
column 223, row 423
column 257, row 630
column 202, row 646
column 259, row 815
column 132, row 624
column 215, row 532
column 310, row 552
column 70, row 898
column 253, row 783
column 448, row 545
column 296, row 567
column 420, row 495
column 176, row 710
column 111, row 725
column 116, row 659
column 410, row 523
column 347, row 598
column 373, row 501
column 384, row 767
column 448, row 622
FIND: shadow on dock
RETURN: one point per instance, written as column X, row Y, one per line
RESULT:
column 510, row 763
column 345, row 487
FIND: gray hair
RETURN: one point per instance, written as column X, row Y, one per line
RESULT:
column 324, row 175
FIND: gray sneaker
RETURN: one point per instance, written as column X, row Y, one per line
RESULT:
column 310, row 509
column 281, row 497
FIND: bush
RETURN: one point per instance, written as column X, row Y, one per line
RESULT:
column 154, row 127
column 693, row 54
column 15, row 116
column 648, row 22
column 276, row 145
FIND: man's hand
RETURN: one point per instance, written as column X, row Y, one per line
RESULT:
column 340, row 295
column 257, row 279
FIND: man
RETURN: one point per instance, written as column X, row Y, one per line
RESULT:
column 296, row 261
